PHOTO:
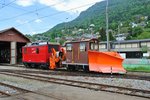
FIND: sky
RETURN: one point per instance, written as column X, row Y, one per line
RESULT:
column 37, row 16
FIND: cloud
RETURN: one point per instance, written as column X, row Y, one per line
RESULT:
column 61, row 5
column 21, row 21
column 38, row 21
column 25, row 3
column 32, row 33
column 66, row 5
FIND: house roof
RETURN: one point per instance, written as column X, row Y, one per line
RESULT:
column 12, row 28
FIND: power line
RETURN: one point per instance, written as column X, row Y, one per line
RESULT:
column 55, row 14
column 7, row 4
column 41, row 29
column 33, row 11
column 15, row 7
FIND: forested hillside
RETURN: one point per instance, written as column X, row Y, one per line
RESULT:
column 124, row 12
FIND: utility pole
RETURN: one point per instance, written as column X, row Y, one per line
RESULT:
column 66, row 26
column 107, row 33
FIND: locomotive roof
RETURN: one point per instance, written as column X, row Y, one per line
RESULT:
column 41, row 44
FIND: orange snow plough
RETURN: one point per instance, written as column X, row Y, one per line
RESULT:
column 105, row 62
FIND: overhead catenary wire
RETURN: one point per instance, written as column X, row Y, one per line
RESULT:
column 39, row 29
column 19, row 25
column 50, row 15
column 5, row 5
column 18, row 8
column 30, row 12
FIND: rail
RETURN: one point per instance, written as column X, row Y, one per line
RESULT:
column 92, row 86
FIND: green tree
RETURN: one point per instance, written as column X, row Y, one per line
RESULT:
column 129, row 37
column 102, row 34
column 111, row 38
column 62, row 41
column 137, row 31
column 148, row 24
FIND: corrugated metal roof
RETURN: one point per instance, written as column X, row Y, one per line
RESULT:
column 128, row 41
column 133, row 41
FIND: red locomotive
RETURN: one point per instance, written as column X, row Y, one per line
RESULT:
column 37, row 54
column 79, row 55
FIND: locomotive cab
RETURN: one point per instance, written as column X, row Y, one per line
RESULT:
column 77, row 53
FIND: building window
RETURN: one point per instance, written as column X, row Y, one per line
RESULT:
column 134, row 45
column 69, row 47
column 134, row 55
column 102, row 46
column 113, row 46
column 117, row 46
column 148, row 44
column 128, row 46
column 143, row 44
column 122, row 46
column 82, row 47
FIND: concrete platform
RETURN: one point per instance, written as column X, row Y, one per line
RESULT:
column 62, row 92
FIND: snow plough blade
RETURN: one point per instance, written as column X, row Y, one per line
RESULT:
column 105, row 62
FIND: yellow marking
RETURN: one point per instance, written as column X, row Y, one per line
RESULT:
column 78, row 54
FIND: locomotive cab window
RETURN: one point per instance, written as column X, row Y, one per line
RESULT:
column 82, row 47
column 37, row 50
column 96, row 46
column 69, row 47
column 91, row 46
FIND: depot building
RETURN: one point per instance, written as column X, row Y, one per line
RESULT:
column 11, row 42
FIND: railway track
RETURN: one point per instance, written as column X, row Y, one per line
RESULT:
column 9, row 90
column 13, row 90
column 66, row 73
column 3, row 94
column 92, row 86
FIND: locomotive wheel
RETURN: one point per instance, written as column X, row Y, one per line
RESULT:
column 26, row 65
column 71, row 68
column 32, row 65
column 86, row 69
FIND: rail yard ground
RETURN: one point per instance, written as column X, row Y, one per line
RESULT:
column 20, row 83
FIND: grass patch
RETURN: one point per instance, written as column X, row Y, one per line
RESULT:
column 139, row 67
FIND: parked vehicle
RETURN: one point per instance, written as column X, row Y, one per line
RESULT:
column 76, row 55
